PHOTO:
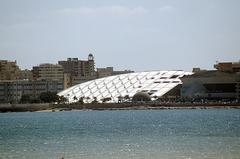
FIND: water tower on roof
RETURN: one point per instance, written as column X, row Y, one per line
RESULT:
column 90, row 57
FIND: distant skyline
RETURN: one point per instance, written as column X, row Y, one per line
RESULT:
column 138, row 34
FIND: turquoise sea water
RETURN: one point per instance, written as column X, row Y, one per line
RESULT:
column 135, row 134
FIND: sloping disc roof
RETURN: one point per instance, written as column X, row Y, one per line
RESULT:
column 155, row 83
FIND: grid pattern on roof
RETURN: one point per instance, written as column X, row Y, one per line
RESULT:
column 156, row 83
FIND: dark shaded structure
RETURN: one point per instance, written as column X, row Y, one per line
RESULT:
column 221, row 84
column 141, row 97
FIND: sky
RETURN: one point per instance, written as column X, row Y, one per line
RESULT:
column 127, row 34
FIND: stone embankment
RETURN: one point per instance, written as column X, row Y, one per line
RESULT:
column 111, row 106
column 24, row 107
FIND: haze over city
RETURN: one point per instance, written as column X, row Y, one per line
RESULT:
column 137, row 34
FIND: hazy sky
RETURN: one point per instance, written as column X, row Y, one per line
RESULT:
column 127, row 34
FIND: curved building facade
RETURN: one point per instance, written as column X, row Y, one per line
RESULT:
column 155, row 83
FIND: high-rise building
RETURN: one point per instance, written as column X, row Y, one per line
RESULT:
column 49, row 72
column 12, row 90
column 26, row 74
column 108, row 71
column 15, row 82
column 89, row 66
column 9, row 70
column 104, row 72
column 79, row 70
column 228, row 66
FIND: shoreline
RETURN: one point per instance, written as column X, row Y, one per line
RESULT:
column 134, row 108
column 112, row 106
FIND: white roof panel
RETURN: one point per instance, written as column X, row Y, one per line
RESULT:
column 157, row 83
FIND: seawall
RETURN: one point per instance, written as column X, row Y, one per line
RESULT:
column 112, row 106
column 24, row 107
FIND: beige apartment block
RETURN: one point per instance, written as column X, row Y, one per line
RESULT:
column 48, row 71
column 9, row 70
column 78, row 71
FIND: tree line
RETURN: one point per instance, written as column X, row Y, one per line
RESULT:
column 44, row 97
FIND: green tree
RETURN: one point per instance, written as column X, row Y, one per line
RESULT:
column 81, row 100
column 35, row 99
column 104, row 100
column 75, row 98
column 141, row 97
column 126, row 98
column 26, row 98
column 48, row 97
column 155, row 97
column 87, row 98
column 61, row 99
column 94, row 100
column 120, row 98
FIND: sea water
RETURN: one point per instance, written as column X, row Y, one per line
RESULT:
column 122, row 134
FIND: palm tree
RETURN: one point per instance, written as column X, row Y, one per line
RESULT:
column 94, row 100
column 155, row 97
column 120, row 99
column 75, row 98
column 127, row 98
column 87, row 98
column 104, row 100
column 81, row 100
